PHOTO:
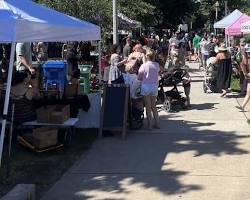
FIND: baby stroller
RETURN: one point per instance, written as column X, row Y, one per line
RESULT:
column 210, row 81
column 136, row 108
column 171, row 97
column 137, row 113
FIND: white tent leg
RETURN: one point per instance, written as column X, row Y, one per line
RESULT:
column 7, row 96
column 99, row 61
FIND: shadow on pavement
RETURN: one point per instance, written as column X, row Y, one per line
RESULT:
column 197, row 81
column 204, row 106
column 115, row 168
column 235, row 96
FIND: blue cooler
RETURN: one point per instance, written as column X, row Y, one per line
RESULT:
column 55, row 73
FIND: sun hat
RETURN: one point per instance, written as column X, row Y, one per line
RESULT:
column 247, row 48
column 222, row 48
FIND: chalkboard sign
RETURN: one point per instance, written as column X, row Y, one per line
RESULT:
column 114, row 108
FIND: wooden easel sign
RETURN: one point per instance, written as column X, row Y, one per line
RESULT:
column 114, row 108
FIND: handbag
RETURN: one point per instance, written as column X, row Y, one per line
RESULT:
column 131, row 65
column 114, row 73
column 168, row 63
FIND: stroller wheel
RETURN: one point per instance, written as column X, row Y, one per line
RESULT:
column 167, row 105
column 204, row 87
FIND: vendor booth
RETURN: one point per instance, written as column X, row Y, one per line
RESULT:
column 125, row 22
column 235, row 28
column 26, row 21
column 228, row 20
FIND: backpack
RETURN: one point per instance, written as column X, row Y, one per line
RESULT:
column 211, row 49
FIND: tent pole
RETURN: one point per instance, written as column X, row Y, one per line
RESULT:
column 7, row 96
column 115, row 23
column 99, row 60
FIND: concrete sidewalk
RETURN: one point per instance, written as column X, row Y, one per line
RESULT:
column 201, row 153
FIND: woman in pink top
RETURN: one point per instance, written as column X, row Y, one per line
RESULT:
column 148, row 75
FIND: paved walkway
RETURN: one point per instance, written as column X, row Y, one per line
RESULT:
column 202, row 153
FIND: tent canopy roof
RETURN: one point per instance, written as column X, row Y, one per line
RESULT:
column 228, row 20
column 125, row 22
column 28, row 21
column 235, row 28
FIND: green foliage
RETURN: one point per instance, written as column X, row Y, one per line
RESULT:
column 100, row 12
column 152, row 13
column 207, row 9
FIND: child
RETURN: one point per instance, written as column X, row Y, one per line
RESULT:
column 187, row 87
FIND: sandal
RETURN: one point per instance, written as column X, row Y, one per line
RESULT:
column 223, row 94
column 240, row 108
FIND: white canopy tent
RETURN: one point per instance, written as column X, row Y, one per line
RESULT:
column 26, row 21
column 228, row 20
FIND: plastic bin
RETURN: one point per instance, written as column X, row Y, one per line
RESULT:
column 55, row 73
column 85, row 72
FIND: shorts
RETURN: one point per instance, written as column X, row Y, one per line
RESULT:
column 205, row 57
column 149, row 89
column 196, row 50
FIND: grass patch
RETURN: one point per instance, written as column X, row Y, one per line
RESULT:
column 235, row 84
column 43, row 169
column 248, row 121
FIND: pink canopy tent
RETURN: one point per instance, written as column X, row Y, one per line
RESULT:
column 235, row 28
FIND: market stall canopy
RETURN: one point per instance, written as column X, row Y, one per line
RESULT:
column 235, row 28
column 245, row 27
column 26, row 21
column 125, row 22
column 228, row 20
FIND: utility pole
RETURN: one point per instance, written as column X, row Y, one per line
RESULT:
column 226, row 7
column 115, row 26
column 217, row 5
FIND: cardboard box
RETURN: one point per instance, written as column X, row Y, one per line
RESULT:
column 44, row 137
column 43, row 114
column 56, row 114
column 60, row 114
column 71, row 90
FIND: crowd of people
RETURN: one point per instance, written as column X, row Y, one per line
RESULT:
column 173, row 50
column 146, row 58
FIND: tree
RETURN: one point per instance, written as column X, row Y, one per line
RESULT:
column 206, row 14
column 100, row 12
